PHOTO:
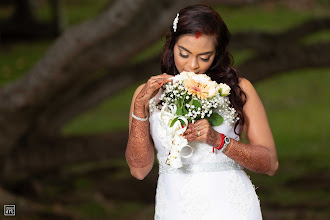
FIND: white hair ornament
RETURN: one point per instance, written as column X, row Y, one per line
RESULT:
column 175, row 22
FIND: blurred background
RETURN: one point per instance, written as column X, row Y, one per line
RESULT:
column 68, row 71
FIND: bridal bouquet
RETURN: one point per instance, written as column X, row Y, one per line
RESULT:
column 191, row 97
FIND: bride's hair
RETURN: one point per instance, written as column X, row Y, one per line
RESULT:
column 204, row 20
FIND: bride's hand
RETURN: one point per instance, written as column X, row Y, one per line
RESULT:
column 151, row 88
column 202, row 130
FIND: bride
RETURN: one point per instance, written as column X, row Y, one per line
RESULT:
column 212, row 183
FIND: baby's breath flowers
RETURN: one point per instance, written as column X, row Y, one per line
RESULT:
column 191, row 97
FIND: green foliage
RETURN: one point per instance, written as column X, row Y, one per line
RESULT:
column 215, row 119
column 173, row 122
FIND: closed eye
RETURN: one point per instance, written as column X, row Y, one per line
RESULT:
column 184, row 56
column 205, row 59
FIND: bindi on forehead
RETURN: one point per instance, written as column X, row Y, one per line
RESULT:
column 198, row 35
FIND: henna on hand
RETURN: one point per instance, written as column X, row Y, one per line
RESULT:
column 151, row 88
column 203, row 131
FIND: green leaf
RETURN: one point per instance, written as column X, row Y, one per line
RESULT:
column 191, row 102
column 178, row 107
column 177, row 102
column 181, row 101
column 178, row 110
column 220, row 91
column 185, row 111
column 182, row 122
column 174, row 120
column 215, row 119
column 196, row 103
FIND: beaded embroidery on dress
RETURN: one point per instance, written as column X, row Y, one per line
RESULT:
column 208, row 186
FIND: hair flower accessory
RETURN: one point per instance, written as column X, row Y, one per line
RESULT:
column 175, row 22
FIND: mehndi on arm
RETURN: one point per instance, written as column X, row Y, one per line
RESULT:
column 139, row 151
column 253, row 157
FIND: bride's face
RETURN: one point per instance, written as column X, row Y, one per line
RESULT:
column 194, row 54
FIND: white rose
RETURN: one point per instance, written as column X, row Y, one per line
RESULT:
column 187, row 75
column 213, row 89
column 202, row 78
column 224, row 89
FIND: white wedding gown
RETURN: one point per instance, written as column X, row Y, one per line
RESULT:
column 209, row 186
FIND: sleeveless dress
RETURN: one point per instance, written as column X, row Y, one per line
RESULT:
column 209, row 186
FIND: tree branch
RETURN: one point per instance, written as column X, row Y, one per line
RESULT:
column 267, row 41
column 282, row 59
column 44, row 155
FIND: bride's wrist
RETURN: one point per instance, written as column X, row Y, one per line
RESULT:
column 139, row 111
column 218, row 140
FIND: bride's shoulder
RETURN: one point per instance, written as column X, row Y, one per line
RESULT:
column 246, row 86
column 244, row 83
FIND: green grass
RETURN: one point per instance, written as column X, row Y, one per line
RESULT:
column 263, row 19
column 317, row 37
column 297, row 107
column 298, row 112
column 109, row 115
column 17, row 59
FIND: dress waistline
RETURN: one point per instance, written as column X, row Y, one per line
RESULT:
column 201, row 167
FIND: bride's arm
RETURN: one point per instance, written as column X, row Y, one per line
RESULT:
column 260, row 154
column 140, row 148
